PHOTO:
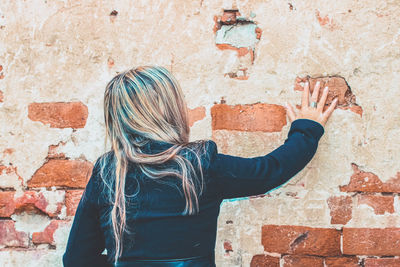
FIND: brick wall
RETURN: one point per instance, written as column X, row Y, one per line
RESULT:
column 238, row 63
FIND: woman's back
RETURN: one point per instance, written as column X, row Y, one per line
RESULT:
column 154, row 216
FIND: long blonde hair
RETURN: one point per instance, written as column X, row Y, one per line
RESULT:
column 141, row 105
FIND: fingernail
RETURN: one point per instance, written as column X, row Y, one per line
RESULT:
column 326, row 88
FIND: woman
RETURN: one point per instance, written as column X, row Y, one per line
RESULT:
column 154, row 198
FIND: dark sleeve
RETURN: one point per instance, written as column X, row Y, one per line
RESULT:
column 241, row 177
column 86, row 239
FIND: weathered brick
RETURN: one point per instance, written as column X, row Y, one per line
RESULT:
column 229, row 16
column 7, row 204
column 385, row 262
column 252, row 117
column 32, row 200
column 362, row 181
column 371, row 241
column 301, row 240
column 196, row 114
column 1, row 96
column 302, row 261
column 264, row 261
column 380, row 204
column 59, row 114
column 62, row 172
column 228, row 247
column 341, row 262
column 72, row 198
column 10, row 237
column 47, row 236
column 338, row 87
column 340, row 209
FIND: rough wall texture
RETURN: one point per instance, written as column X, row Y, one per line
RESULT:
column 238, row 62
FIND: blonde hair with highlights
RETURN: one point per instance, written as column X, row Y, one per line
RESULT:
column 141, row 105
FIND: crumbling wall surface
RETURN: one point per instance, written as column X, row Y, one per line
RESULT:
column 238, row 62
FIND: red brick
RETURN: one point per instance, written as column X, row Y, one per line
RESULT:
column 30, row 201
column 1, row 96
column 302, row 261
column 341, row 262
column 228, row 246
column 72, row 198
column 62, row 172
column 59, row 114
column 47, row 236
column 7, row 204
column 301, row 240
column 386, row 262
column 362, row 181
column 251, row 118
column 380, row 204
column 10, row 237
column 196, row 114
column 258, row 33
column 338, row 87
column 264, row 261
column 340, row 209
column 371, row 241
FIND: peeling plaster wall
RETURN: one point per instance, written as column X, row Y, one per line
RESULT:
column 57, row 56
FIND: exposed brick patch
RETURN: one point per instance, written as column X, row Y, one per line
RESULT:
column 10, row 237
column 238, row 34
column 380, row 204
column 326, row 21
column 1, row 96
column 338, row 87
column 72, row 198
column 302, row 261
column 385, row 262
column 63, row 173
column 30, row 201
column 1, row 73
column 110, row 62
column 8, row 151
column 47, row 236
column 362, row 181
column 251, row 117
column 371, row 241
column 301, row 240
column 340, row 209
column 228, row 247
column 341, row 262
column 196, row 114
column 264, row 260
column 59, row 114
column 7, row 204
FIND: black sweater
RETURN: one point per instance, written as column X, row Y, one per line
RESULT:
column 155, row 217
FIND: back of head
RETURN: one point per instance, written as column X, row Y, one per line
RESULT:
column 143, row 105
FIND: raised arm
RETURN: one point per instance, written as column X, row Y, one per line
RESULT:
column 240, row 177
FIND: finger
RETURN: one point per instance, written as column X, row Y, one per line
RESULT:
column 315, row 92
column 290, row 112
column 305, row 96
column 329, row 111
column 322, row 101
